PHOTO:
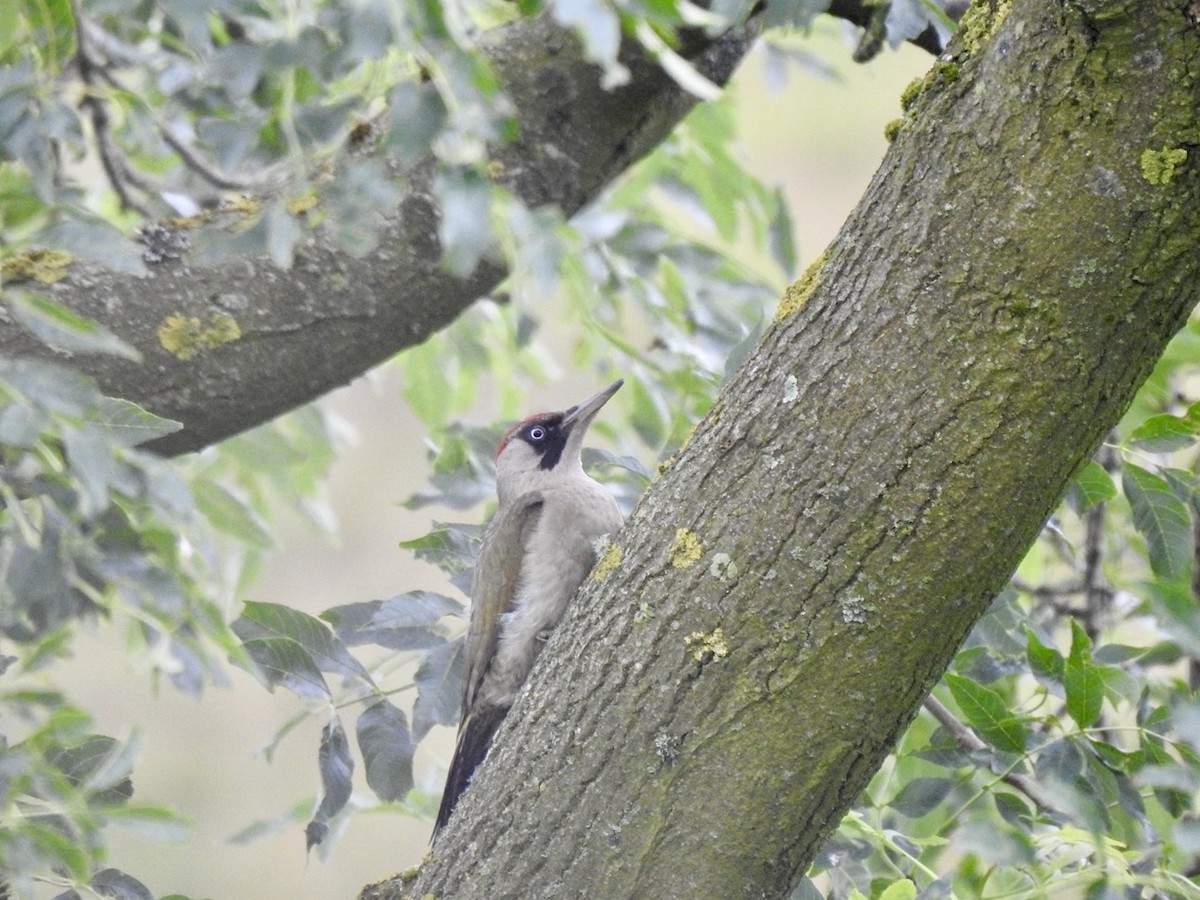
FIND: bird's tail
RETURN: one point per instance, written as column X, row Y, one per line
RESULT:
column 474, row 740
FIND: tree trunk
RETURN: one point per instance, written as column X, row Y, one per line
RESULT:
column 783, row 598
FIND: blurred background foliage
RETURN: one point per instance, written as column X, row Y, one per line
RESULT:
column 1059, row 756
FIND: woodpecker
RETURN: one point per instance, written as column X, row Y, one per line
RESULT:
column 536, row 551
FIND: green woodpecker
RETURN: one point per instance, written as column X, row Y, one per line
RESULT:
column 535, row 553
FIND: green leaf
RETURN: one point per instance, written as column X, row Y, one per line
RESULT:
column 59, row 849
column 93, row 465
column 1163, row 520
column 151, row 822
column 267, row 827
column 780, row 236
column 274, row 620
column 1015, row 811
column 1061, row 759
column 416, row 115
column 987, row 713
column 1081, row 643
column 49, row 386
column 899, row 890
column 336, row 767
column 918, row 796
column 1082, row 680
column 465, row 227
column 1045, row 662
column 426, row 384
column 127, row 423
column 281, row 661
column 119, row 885
column 404, row 622
column 1167, row 433
column 1178, row 613
column 387, row 750
column 230, row 514
column 1092, row 485
column 438, row 680
column 99, row 764
column 1085, row 692
column 450, row 546
column 599, row 29
column 60, row 328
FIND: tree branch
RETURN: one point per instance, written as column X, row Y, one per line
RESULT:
column 330, row 318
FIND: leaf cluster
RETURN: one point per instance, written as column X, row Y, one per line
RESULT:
column 91, row 529
column 1061, row 754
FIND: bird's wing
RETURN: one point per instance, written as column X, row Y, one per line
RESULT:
column 494, row 586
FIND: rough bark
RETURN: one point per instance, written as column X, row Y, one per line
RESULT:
column 777, row 607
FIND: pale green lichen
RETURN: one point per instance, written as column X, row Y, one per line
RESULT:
column 643, row 613
column 855, row 611
column 609, row 561
column 709, row 646
column 913, row 90
column 46, row 266
column 685, row 549
column 942, row 72
column 723, row 567
column 797, row 294
column 1158, row 166
column 186, row 337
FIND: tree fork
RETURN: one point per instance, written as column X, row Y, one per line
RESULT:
column 795, row 583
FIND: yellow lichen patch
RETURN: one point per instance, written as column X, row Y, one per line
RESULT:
column 708, row 646
column 186, row 337
column 609, row 561
column 495, row 168
column 685, row 549
column 243, row 204
column 1158, row 166
column 800, row 290
column 298, row 206
column 46, row 266
column 980, row 23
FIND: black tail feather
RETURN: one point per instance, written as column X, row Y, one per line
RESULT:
column 474, row 741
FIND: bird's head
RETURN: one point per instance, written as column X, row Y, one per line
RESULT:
column 546, row 447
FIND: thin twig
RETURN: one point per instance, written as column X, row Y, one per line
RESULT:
column 966, row 738
column 110, row 156
column 1048, row 591
column 119, row 171
column 200, row 166
column 1097, row 596
column 187, row 154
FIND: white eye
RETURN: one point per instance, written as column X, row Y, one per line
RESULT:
column 536, row 433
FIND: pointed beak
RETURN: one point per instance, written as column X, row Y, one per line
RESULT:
column 578, row 418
